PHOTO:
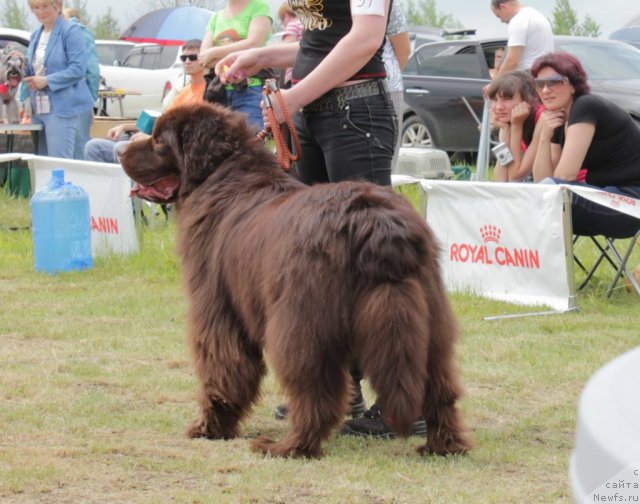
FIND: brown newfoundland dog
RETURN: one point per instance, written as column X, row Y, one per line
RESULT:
column 317, row 278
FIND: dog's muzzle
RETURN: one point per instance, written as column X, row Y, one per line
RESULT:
column 163, row 190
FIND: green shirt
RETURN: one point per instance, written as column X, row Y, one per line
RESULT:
column 225, row 30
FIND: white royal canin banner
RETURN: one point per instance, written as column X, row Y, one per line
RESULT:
column 112, row 221
column 503, row 241
column 618, row 202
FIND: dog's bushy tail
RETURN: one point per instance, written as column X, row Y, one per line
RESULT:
column 391, row 335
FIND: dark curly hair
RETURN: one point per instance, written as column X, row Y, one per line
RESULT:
column 565, row 64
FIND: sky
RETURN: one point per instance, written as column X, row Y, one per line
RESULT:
column 609, row 14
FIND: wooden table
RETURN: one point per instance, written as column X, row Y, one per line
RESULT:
column 114, row 94
column 11, row 130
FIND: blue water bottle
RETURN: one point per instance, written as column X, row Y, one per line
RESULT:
column 61, row 226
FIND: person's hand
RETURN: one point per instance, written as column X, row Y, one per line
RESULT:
column 494, row 122
column 290, row 103
column 520, row 112
column 206, row 57
column 238, row 65
column 115, row 132
column 36, row 83
column 550, row 120
column 136, row 137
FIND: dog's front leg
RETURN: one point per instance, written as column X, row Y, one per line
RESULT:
column 229, row 371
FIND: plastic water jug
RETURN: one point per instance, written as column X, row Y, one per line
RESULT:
column 61, row 226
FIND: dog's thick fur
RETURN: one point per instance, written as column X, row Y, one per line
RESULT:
column 13, row 66
column 318, row 278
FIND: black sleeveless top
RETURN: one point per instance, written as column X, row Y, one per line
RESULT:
column 325, row 23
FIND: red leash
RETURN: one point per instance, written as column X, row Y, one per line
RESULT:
column 283, row 154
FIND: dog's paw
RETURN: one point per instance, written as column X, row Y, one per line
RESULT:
column 196, row 430
column 210, row 430
column 266, row 446
column 453, row 444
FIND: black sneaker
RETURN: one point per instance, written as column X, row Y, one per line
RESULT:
column 371, row 424
column 358, row 406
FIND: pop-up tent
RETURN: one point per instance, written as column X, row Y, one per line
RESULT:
column 169, row 26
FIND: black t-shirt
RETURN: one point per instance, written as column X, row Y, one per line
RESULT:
column 325, row 23
column 613, row 158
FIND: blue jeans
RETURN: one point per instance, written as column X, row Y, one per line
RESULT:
column 247, row 101
column 592, row 219
column 61, row 135
column 354, row 143
column 103, row 150
column 83, row 133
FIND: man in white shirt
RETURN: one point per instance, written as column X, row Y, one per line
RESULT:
column 529, row 34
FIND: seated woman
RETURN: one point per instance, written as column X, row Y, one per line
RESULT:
column 515, row 109
column 582, row 131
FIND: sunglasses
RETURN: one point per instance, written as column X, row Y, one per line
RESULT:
column 550, row 82
column 190, row 57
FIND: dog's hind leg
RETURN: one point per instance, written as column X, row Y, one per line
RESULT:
column 446, row 433
column 310, row 360
column 229, row 370
column 392, row 340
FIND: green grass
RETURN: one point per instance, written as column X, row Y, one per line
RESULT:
column 96, row 391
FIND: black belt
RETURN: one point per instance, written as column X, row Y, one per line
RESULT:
column 337, row 98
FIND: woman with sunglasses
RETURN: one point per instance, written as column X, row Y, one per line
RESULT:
column 585, row 139
column 515, row 110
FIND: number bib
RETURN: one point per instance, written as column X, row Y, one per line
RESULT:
column 367, row 8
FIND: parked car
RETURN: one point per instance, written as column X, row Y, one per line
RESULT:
column 113, row 52
column 419, row 35
column 147, row 70
column 14, row 39
column 629, row 34
column 444, row 81
column 109, row 51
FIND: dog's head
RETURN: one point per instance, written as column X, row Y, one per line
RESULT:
column 188, row 144
column 13, row 66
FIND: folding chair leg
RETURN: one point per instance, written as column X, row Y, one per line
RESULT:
column 617, row 261
column 576, row 259
column 622, row 269
column 604, row 254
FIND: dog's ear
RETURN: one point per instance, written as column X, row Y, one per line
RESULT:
column 201, row 138
column 211, row 137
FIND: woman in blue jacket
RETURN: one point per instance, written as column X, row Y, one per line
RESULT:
column 58, row 91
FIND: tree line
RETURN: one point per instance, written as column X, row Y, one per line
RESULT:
column 564, row 20
column 14, row 14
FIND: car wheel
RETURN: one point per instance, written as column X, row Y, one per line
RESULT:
column 414, row 133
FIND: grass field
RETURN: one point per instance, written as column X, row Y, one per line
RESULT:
column 96, row 391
